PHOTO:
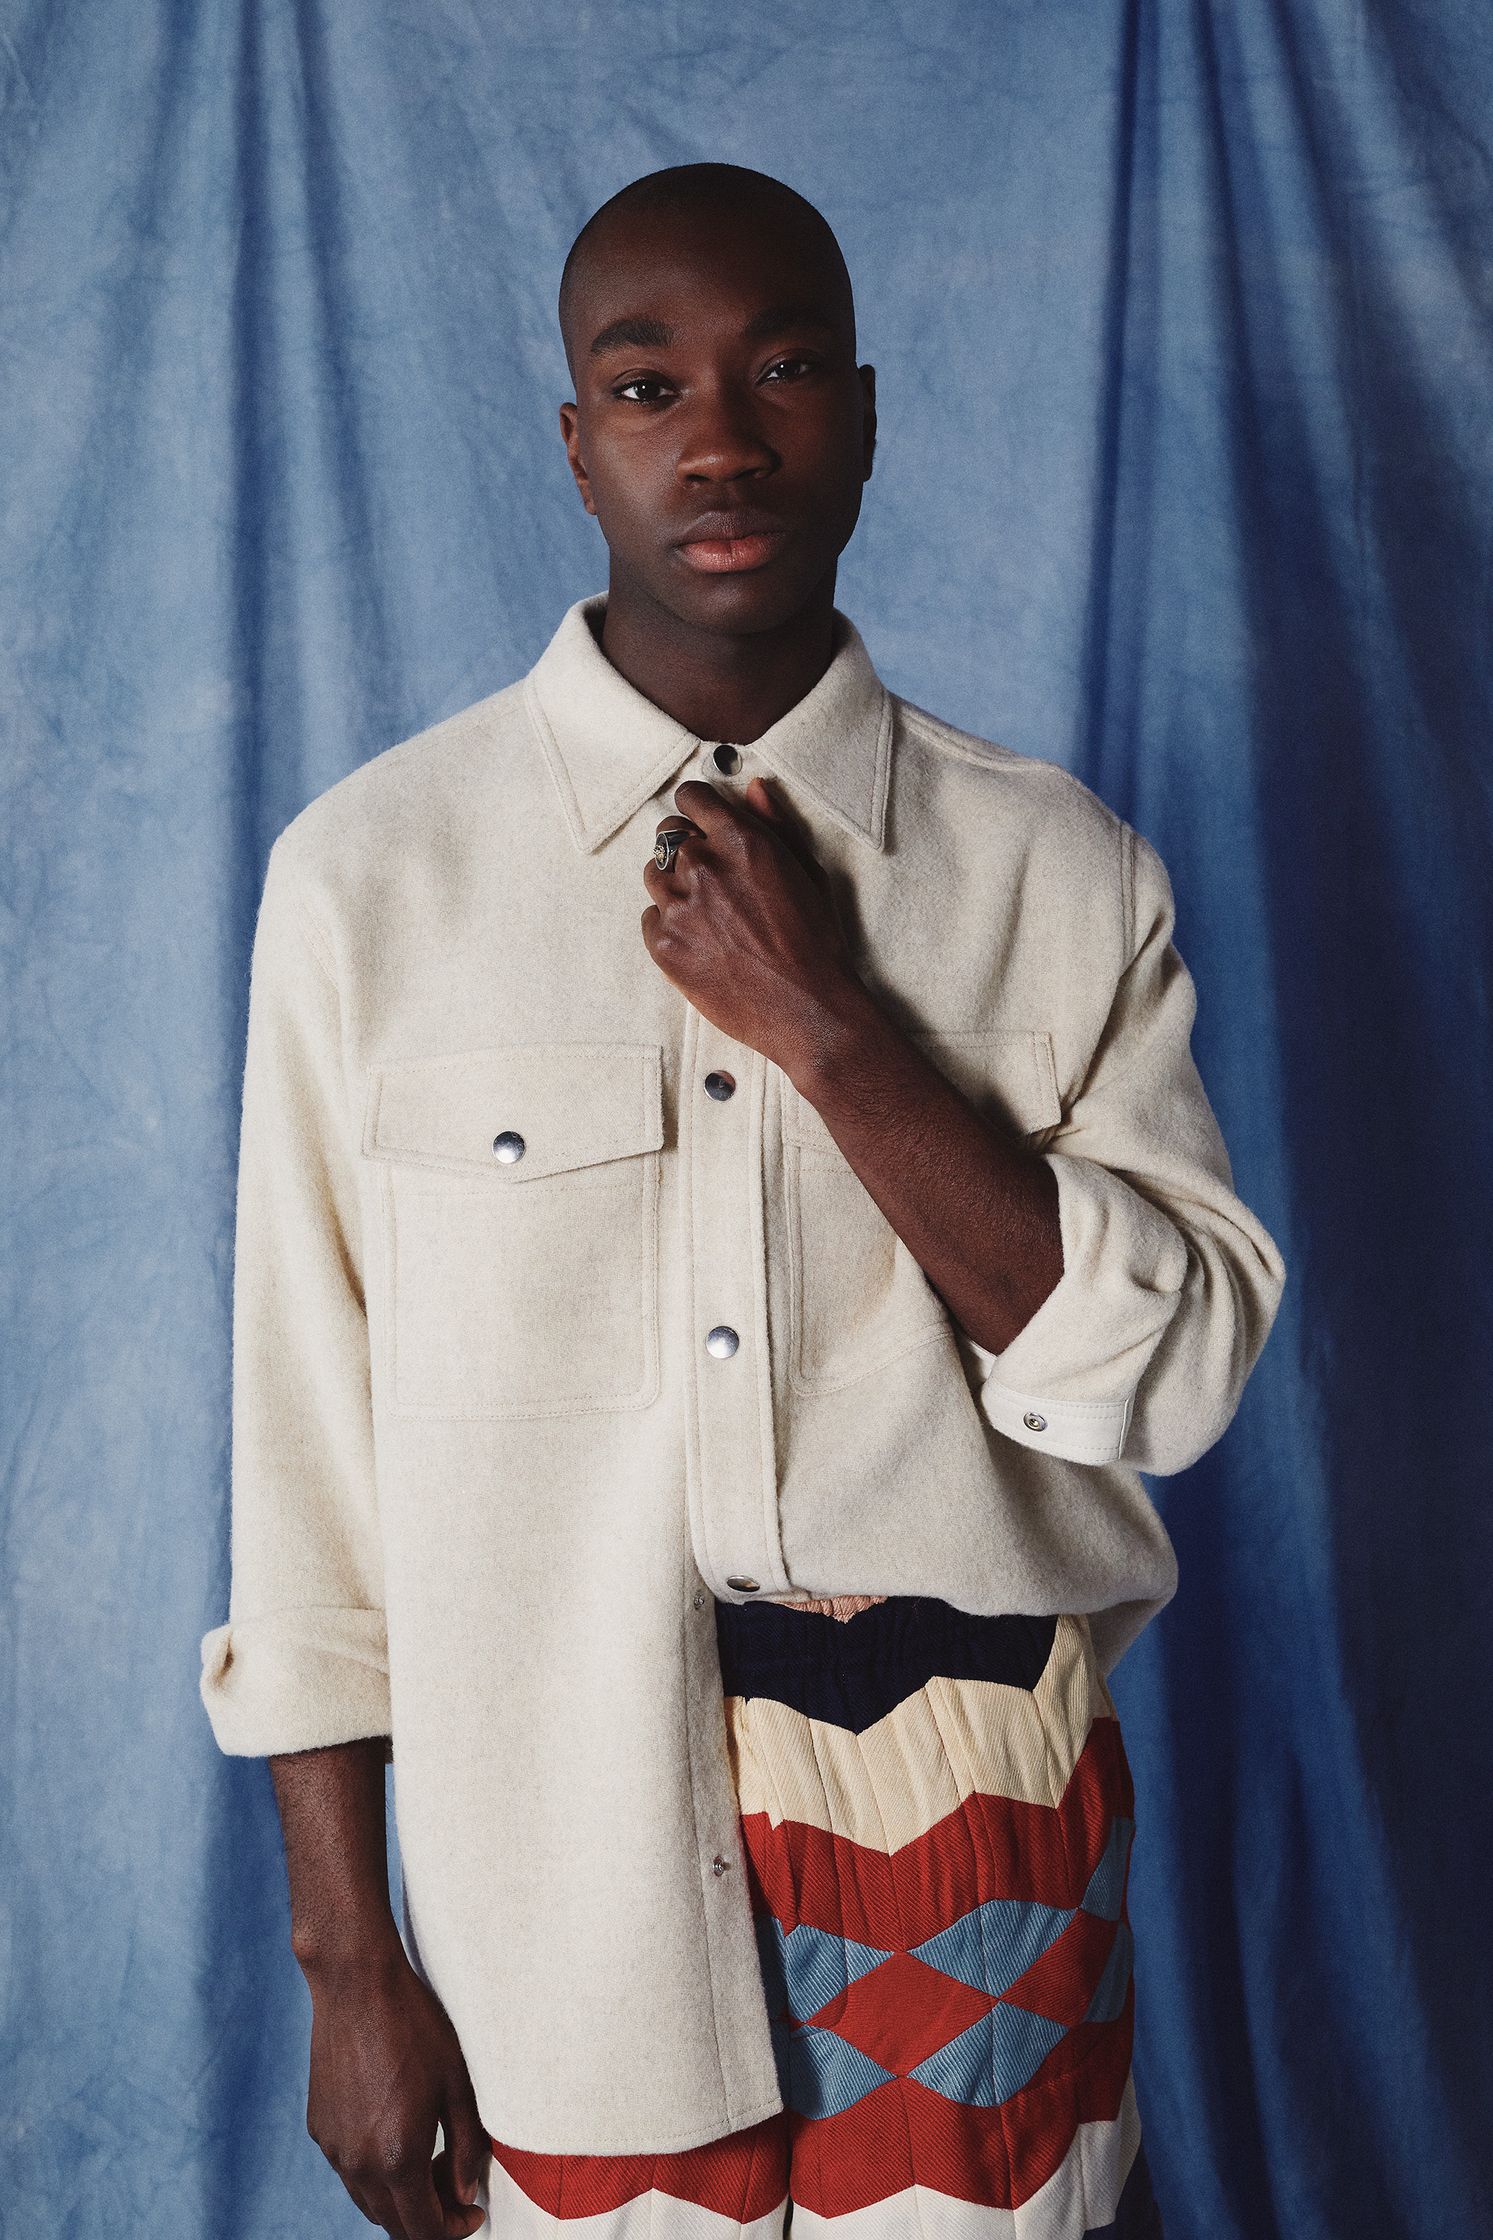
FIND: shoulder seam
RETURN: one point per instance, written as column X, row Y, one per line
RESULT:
column 968, row 746
column 949, row 739
column 313, row 943
column 455, row 724
column 310, row 933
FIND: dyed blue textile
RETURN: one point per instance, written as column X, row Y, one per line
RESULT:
column 1181, row 319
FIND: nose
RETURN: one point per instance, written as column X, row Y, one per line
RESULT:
column 722, row 439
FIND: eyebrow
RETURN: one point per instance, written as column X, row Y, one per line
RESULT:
column 643, row 334
column 656, row 334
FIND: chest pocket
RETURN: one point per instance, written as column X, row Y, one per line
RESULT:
column 858, row 1297
column 521, row 1227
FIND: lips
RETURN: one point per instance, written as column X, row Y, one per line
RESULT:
column 732, row 541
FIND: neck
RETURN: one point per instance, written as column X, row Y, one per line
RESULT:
column 718, row 685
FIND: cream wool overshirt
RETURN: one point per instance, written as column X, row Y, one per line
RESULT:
column 487, row 1474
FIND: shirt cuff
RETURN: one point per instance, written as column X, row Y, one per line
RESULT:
column 1066, row 1383
column 296, row 1680
column 1079, row 1430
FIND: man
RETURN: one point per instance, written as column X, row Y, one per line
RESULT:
column 815, row 1207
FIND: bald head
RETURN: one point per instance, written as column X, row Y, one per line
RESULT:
column 694, row 209
column 721, row 430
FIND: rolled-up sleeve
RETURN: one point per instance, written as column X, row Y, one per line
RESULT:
column 1170, row 1283
column 302, row 1661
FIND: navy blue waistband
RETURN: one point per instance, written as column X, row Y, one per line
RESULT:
column 804, row 1657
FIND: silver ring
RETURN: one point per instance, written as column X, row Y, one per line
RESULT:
column 666, row 846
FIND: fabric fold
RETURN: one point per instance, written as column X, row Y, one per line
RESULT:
column 296, row 1680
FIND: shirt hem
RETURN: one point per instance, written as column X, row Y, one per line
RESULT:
column 679, row 2143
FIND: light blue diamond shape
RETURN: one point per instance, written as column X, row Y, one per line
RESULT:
column 827, row 2074
column 993, row 1944
column 1109, row 1991
column 807, row 1967
column 1107, row 1882
column 821, row 1965
column 992, row 2059
column 770, row 1956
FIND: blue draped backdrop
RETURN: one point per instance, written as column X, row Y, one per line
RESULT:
column 1181, row 318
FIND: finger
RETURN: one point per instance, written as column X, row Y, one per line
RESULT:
column 706, row 806
column 373, row 2199
column 362, row 2197
column 652, row 864
column 467, row 2140
column 716, row 812
column 413, row 2194
column 462, row 2218
column 687, row 831
column 793, row 832
column 663, row 885
column 683, row 828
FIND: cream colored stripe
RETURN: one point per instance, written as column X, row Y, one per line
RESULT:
column 887, row 1786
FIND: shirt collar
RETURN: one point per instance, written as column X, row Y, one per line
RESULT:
column 610, row 749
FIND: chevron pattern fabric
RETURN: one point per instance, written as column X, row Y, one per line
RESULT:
column 937, row 1816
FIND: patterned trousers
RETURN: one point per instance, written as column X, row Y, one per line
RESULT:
column 937, row 1814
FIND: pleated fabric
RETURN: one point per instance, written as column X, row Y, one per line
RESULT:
column 937, row 1816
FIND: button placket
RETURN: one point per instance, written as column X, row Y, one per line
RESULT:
column 731, row 1392
column 722, row 1341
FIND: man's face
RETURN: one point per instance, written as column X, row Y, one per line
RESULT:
column 715, row 374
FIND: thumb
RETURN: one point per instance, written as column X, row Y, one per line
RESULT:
column 789, row 830
column 466, row 2138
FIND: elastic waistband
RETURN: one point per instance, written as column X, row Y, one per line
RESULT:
column 916, row 1636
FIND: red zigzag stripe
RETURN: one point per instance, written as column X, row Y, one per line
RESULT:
column 988, row 1847
column 996, row 2157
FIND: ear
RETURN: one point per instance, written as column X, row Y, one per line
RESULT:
column 868, row 424
column 570, row 429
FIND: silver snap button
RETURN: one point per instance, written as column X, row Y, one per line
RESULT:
column 1035, row 1422
column 726, row 759
column 722, row 1341
column 744, row 1586
column 720, row 1086
column 698, row 1599
column 719, row 1865
column 508, row 1146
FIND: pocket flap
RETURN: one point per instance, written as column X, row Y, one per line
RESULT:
column 1008, row 1070
column 574, row 1104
